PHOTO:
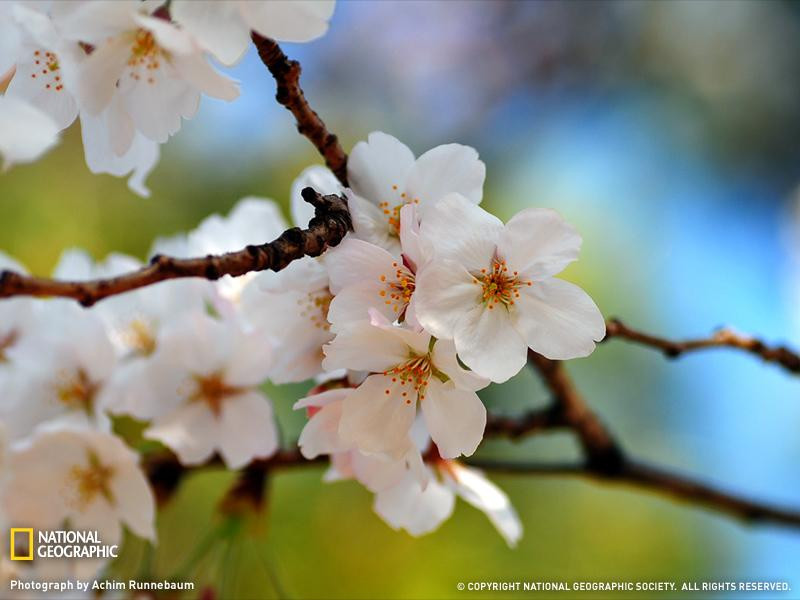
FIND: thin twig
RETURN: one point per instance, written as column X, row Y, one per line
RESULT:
column 287, row 75
column 724, row 338
column 327, row 228
column 661, row 482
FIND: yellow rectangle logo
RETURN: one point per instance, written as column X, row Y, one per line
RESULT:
column 13, row 539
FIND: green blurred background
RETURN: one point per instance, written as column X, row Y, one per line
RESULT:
column 667, row 132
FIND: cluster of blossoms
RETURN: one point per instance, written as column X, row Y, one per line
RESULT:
column 427, row 301
column 130, row 70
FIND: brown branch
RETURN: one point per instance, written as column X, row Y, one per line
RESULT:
column 659, row 482
column 327, row 228
column 287, row 75
column 724, row 338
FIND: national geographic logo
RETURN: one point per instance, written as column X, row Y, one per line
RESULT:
column 58, row 544
column 21, row 543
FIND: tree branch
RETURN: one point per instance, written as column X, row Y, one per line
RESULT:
column 724, row 338
column 287, row 75
column 661, row 482
column 327, row 228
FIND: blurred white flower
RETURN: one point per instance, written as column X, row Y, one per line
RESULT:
column 223, row 26
column 384, row 176
column 490, row 287
column 58, row 370
column 26, row 133
column 157, row 70
column 47, row 68
column 421, row 509
column 200, row 392
column 291, row 306
column 89, row 478
column 16, row 315
column 406, row 368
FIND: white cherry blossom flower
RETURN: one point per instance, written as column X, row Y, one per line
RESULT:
column 223, row 26
column 422, row 509
column 406, row 370
column 490, row 287
column 365, row 276
column 157, row 70
column 16, row 315
column 384, row 176
column 376, row 472
column 200, row 392
column 46, row 75
column 87, row 477
column 26, row 133
column 58, row 370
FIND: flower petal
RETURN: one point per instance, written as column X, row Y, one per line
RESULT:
column 488, row 344
column 558, row 319
column 444, row 359
column 455, row 418
column 444, row 293
column 458, row 230
column 217, row 26
column 378, row 164
column 191, row 431
column 476, row 489
column 321, row 433
column 408, row 506
column 26, row 133
column 364, row 347
column 289, row 20
column 354, row 261
column 376, row 417
column 443, row 170
column 538, row 243
column 247, row 429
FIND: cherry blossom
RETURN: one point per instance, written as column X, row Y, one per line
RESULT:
column 407, row 368
column 421, row 509
column 200, row 392
column 365, row 276
column 157, row 70
column 87, row 477
column 59, row 370
column 223, row 26
column 490, row 287
column 384, row 176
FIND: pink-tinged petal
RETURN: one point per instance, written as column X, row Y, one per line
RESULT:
column 455, row 418
column 217, row 26
column 407, row 506
column 322, row 399
column 354, row 261
column 247, row 429
column 191, row 431
column 558, row 319
column 289, row 20
column 95, row 22
column 321, row 180
column 134, row 500
column 444, row 170
column 321, row 433
column 371, row 225
column 444, row 359
column 376, row 416
column 444, row 293
column 195, row 70
column 538, row 243
column 488, row 343
column 250, row 362
column 476, row 489
column 456, row 229
column 364, row 347
column 378, row 164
